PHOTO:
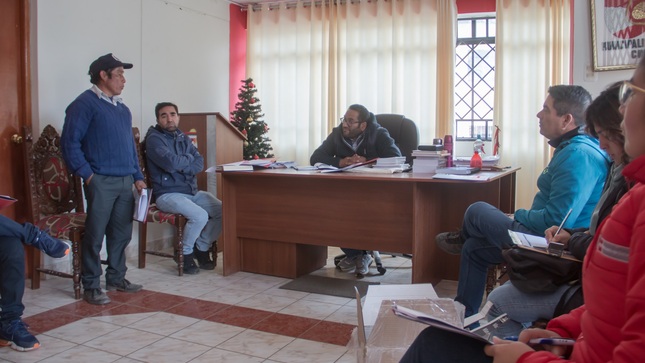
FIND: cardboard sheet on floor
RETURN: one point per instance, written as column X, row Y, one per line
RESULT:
column 328, row 285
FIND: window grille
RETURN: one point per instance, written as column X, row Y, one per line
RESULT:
column 474, row 78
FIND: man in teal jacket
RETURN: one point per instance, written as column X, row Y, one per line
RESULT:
column 573, row 180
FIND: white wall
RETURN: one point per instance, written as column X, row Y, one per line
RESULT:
column 583, row 74
column 179, row 48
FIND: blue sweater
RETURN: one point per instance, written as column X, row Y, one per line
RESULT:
column 97, row 138
column 573, row 180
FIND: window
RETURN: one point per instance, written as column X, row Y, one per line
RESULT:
column 474, row 78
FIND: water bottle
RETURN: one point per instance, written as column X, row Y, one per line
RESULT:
column 478, row 147
column 476, row 161
column 447, row 146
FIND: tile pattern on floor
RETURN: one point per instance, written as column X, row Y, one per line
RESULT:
column 206, row 317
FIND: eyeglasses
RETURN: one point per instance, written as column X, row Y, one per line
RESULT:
column 627, row 91
column 349, row 122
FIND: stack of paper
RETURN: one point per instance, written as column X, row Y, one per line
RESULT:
column 430, row 153
column 484, row 333
column 390, row 162
column 249, row 165
column 236, row 166
column 478, row 177
column 141, row 204
column 426, row 161
column 537, row 244
column 379, row 170
column 324, row 168
column 395, row 164
column 458, row 170
column 487, row 160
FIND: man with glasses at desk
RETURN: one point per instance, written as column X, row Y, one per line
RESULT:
column 357, row 139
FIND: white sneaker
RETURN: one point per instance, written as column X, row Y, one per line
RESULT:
column 363, row 264
column 347, row 264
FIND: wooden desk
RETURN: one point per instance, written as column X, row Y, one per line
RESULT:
column 280, row 222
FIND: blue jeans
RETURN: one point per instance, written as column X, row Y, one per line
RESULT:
column 485, row 230
column 12, row 266
column 204, row 214
column 26, row 232
column 440, row 346
column 521, row 307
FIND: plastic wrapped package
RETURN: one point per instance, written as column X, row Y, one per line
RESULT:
column 391, row 335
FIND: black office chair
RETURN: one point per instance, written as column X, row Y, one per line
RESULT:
column 404, row 132
column 406, row 137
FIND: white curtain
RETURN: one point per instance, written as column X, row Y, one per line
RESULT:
column 532, row 53
column 310, row 62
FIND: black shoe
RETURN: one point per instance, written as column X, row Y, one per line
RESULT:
column 450, row 242
column 190, row 267
column 96, row 297
column 123, row 285
column 204, row 259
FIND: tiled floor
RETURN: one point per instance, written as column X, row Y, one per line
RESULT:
column 199, row 318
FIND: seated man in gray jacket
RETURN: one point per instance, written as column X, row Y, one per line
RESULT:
column 173, row 163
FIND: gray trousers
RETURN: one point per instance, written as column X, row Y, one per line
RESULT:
column 110, row 205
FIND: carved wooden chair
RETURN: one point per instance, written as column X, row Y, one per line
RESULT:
column 157, row 216
column 56, row 201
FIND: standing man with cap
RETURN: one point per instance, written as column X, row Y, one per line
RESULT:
column 98, row 145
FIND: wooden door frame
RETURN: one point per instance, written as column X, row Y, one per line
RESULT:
column 24, row 99
column 21, row 211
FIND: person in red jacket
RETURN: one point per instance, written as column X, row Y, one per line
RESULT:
column 610, row 326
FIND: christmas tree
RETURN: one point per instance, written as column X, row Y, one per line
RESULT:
column 247, row 118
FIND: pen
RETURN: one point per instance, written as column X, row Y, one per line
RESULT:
column 552, row 341
column 562, row 224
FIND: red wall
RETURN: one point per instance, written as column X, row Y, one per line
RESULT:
column 237, row 57
column 475, row 6
column 237, row 54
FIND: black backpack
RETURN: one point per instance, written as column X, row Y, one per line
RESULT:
column 531, row 271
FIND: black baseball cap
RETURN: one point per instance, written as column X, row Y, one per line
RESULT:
column 105, row 62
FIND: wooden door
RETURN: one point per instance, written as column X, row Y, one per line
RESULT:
column 15, row 102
